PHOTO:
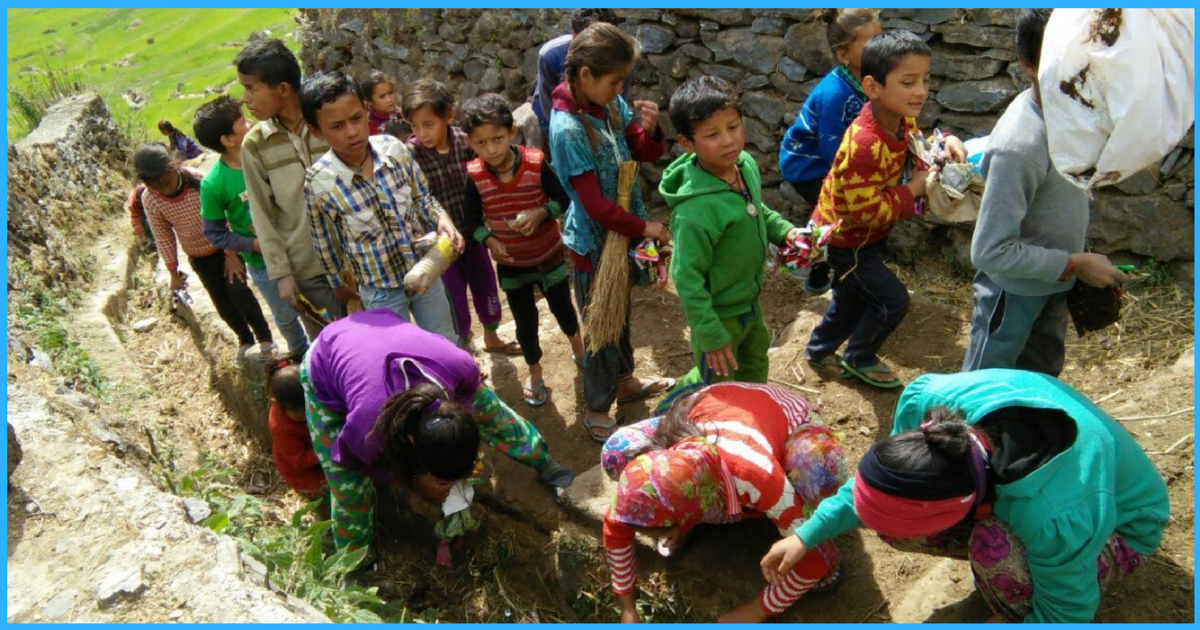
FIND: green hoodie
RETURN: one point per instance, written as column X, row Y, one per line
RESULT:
column 720, row 250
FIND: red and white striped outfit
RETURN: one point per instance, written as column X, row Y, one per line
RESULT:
column 503, row 201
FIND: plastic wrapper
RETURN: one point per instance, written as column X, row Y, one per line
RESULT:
column 435, row 261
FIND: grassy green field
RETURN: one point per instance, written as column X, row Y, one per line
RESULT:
column 193, row 47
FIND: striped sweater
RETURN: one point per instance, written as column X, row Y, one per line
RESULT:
column 750, row 425
column 502, row 201
column 864, row 187
column 177, row 220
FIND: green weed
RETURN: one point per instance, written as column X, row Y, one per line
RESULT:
column 30, row 98
column 40, row 312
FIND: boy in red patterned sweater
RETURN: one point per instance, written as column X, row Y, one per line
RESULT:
column 513, row 199
column 864, row 191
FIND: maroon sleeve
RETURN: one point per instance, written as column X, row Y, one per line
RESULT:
column 603, row 211
column 645, row 147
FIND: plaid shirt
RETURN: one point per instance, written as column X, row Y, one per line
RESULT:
column 373, row 223
column 447, row 174
column 174, row 218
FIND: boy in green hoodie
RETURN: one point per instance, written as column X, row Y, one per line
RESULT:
column 722, row 230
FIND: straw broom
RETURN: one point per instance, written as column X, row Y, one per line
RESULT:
column 608, row 309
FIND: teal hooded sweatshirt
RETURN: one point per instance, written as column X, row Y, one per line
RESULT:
column 1063, row 512
column 720, row 249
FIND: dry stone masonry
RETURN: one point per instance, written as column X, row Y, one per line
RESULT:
column 775, row 56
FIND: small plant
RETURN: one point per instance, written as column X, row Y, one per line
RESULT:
column 31, row 98
column 37, row 310
column 1157, row 273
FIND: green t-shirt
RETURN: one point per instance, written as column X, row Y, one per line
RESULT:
column 223, row 196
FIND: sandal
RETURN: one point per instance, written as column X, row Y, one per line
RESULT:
column 650, row 387
column 556, row 477
column 512, row 349
column 266, row 355
column 610, row 426
column 878, row 368
column 821, row 367
column 536, row 396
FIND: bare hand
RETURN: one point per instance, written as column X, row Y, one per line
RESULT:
column 657, row 231
column 1097, row 271
column 647, row 112
column 918, row 181
column 783, row 555
column 345, row 293
column 497, row 249
column 287, row 290
column 792, row 235
column 177, row 283
column 446, row 228
column 235, row 270
column 432, row 488
column 956, row 151
column 628, row 604
column 722, row 361
column 527, row 222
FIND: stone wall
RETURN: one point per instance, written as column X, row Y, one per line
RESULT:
column 776, row 57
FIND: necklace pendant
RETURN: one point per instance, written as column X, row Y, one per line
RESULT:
column 751, row 209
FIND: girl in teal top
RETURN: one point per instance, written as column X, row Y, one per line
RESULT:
column 1047, row 496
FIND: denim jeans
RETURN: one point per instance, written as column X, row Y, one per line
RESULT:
column 286, row 318
column 430, row 309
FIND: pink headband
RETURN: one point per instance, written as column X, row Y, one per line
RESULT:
column 907, row 518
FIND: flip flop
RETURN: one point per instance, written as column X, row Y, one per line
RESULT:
column 830, row 583
column 611, row 427
column 510, row 349
column 878, row 368
column 539, row 394
column 821, row 367
column 556, row 477
column 648, row 389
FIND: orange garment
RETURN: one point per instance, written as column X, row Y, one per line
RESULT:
column 292, row 449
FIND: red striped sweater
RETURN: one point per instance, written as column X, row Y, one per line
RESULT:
column 503, row 201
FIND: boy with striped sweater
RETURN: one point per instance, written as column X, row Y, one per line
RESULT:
column 864, row 191
column 513, row 199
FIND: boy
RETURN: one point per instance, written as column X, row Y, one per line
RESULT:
column 722, row 229
column 1028, row 244
column 275, row 154
column 442, row 151
column 220, row 126
column 512, row 202
column 864, row 191
column 368, row 201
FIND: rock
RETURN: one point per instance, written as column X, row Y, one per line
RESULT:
column 15, row 454
column 41, row 360
column 1189, row 141
column 977, row 36
column 1176, row 190
column 769, row 26
column 510, row 58
column 707, row 26
column 978, row 96
column 1020, row 79
column 60, row 605
column 995, row 17
column 229, row 561
column 905, row 25
column 807, row 45
column 975, row 125
column 474, row 70
column 755, row 81
column 77, row 399
column 792, row 70
column 126, row 484
column 18, row 348
column 1142, row 182
column 354, row 26
column 256, row 572
column 639, row 14
column 676, row 66
column 1000, row 54
column 134, row 24
column 759, row 136
column 929, row 114
column 653, row 38
column 197, row 509
column 794, row 14
column 492, row 80
column 1151, row 225
column 933, row 16
column 757, row 52
column 766, row 107
column 729, row 73
column 120, row 583
column 255, row 36
column 388, row 49
column 724, row 17
column 963, row 67
column 175, row 614
column 696, row 51
column 144, row 325
column 794, row 91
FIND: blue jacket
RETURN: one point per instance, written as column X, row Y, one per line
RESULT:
column 807, row 150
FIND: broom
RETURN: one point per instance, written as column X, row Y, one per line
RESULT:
column 607, row 310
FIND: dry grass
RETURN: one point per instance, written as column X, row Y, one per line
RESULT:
column 608, row 307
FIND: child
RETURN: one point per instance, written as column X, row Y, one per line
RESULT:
column 1029, row 239
column 172, row 203
column 865, row 192
column 380, row 92
column 220, row 126
column 368, row 202
column 388, row 401
column 1048, row 497
column 730, row 451
column 275, row 155
column 291, row 444
column 807, row 150
column 442, row 151
column 722, row 229
column 185, row 145
column 593, row 130
column 552, row 61
column 513, row 199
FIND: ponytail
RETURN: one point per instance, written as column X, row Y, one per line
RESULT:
column 676, row 426
column 603, row 49
column 424, row 431
column 944, row 452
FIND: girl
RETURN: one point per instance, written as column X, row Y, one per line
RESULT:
column 729, row 451
column 380, row 93
column 807, row 150
column 388, row 401
column 592, row 130
column 172, row 206
column 179, row 141
column 291, row 445
column 513, row 199
column 1047, row 496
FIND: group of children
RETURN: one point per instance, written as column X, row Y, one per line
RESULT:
column 323, row 202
